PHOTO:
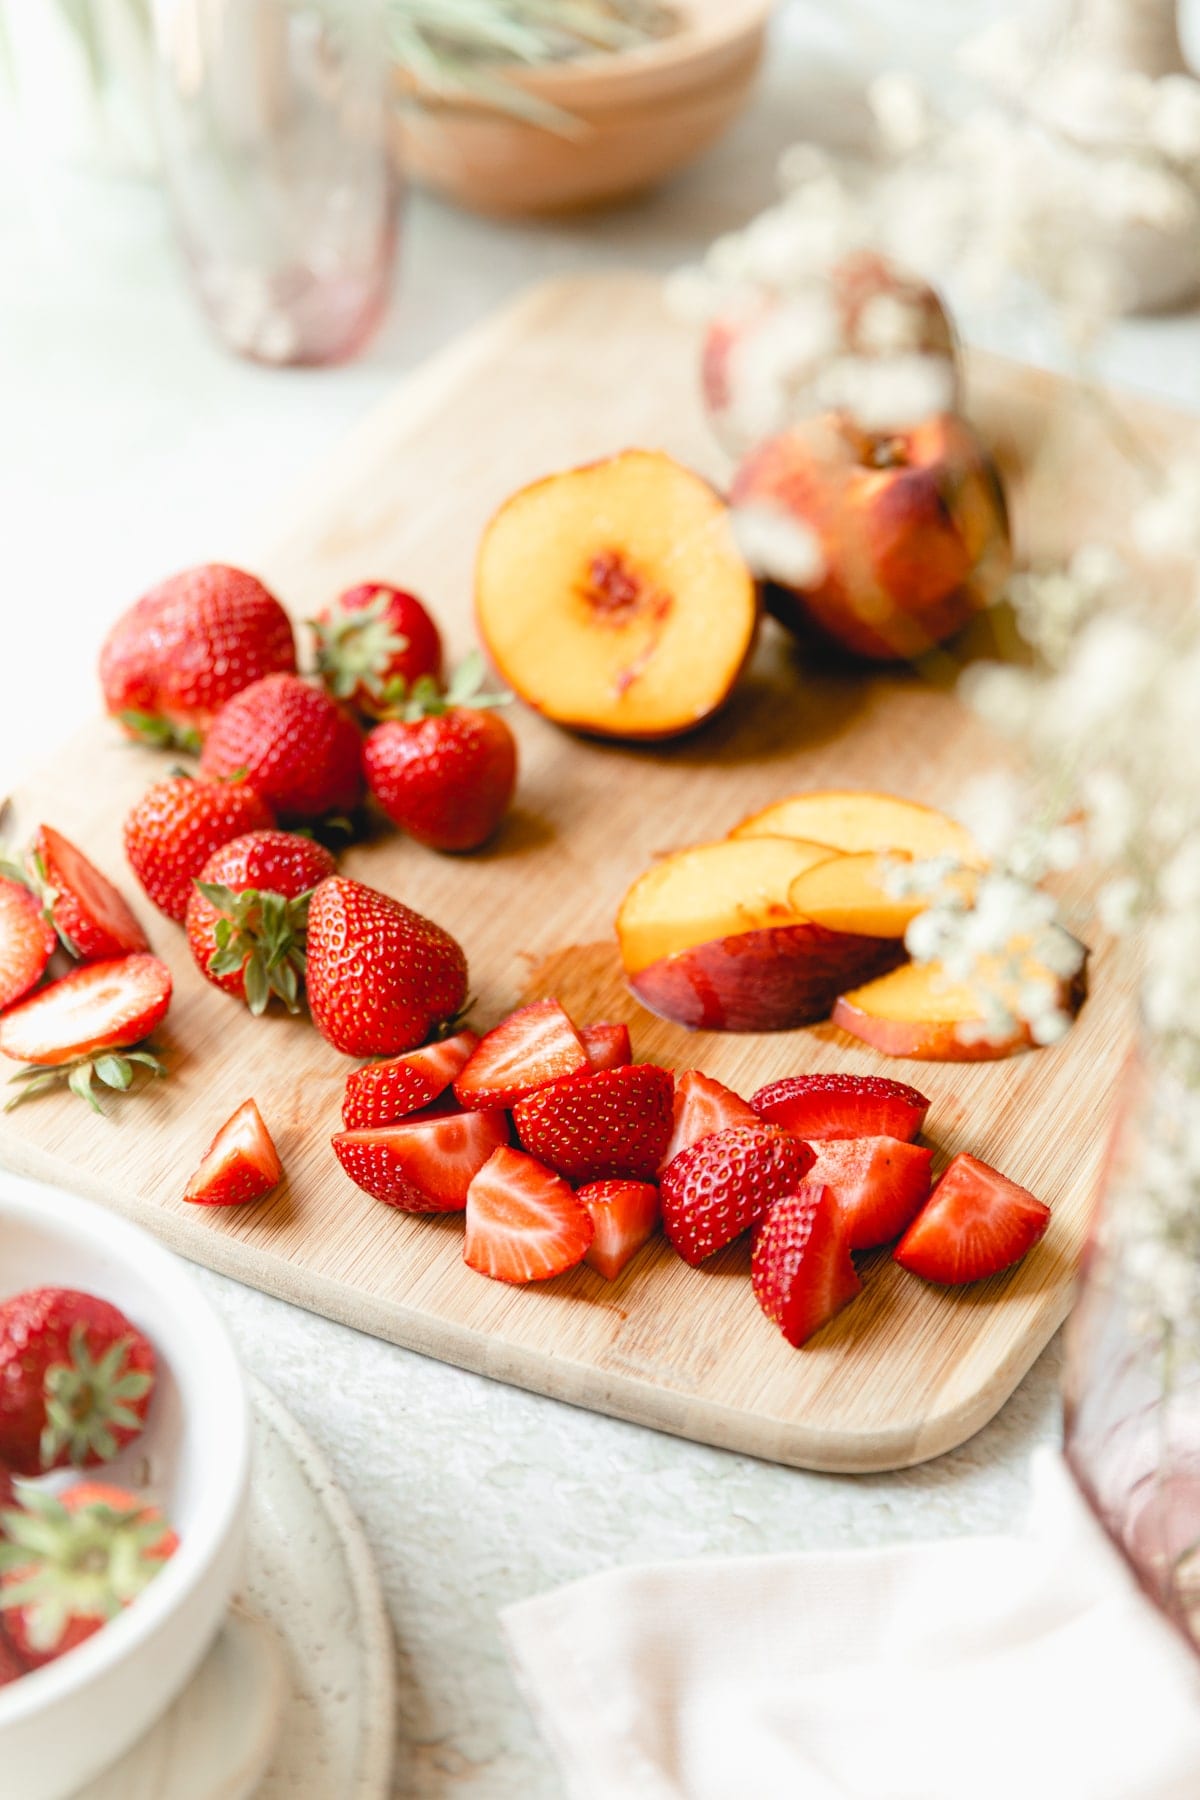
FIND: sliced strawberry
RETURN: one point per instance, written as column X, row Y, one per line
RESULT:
column 801, row 1268
column 523, row 1221
column 533, row 1046
column 703, row 1106
column 241, row 1164
column 100, row 1006
column 714, row 1190
column 89, row 914
column 426, row 1163
column 382, row 1092
column 842, row 1106
column 27, row 941
column 880, row 1184
column 607, row 1046
column 975, row 1223
column 602, row 1125
column 625, row 1215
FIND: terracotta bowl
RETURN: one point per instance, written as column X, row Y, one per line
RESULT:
column 641, row 116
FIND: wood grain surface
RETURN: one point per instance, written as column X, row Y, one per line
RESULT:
column 576, row 370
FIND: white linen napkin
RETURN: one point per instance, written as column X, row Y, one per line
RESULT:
column 1001, row 1668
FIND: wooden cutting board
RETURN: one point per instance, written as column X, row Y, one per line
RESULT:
column 573, row 371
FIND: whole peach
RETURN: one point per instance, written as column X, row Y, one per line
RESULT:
column 911, row 529
column 772, row 359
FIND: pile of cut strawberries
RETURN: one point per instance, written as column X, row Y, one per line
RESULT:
column 560, row 1149
column 76, row 1383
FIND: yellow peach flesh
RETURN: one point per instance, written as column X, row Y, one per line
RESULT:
column 614, row 598
column 855, row 820
column 708, row 892
column 851, row 893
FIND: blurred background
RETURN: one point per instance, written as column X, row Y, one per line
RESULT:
column 136, row 442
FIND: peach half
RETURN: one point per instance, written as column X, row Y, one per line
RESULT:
column 709, row 939
column 614, row 599
column 915, row 1012
column 854, row 820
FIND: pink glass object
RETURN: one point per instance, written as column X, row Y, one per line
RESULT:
column 276, row 137
column 1132, row 1382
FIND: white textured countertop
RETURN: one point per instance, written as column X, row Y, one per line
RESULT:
column 131, row 446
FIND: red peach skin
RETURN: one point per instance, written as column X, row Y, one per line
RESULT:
column 773, row 980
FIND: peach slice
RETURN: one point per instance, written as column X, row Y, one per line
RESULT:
column 916, row 1012
column 771, row 980
column 711, row 891
column 614, row 599
column 854, row 820
column 850, row 893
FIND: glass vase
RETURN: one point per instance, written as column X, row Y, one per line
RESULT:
column 1132, row 1382
column 275, row 130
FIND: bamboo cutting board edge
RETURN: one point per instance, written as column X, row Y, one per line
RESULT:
column 636, row 1401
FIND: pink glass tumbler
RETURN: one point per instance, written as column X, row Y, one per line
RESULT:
column 275, row 127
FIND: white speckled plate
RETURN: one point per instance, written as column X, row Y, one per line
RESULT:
column 296, row 1699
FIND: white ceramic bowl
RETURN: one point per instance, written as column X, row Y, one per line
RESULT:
column 66, row 1722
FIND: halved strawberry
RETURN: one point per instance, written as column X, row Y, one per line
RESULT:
column 76, row 1025
column 427, row 1162
column 89, row 914
column 523, row 1221
column 382, row 1092
column 714, row 1190
column 607, row 1046
column 27, row 941
column 601, row 1125
column 241, row 1164
column 842, row 1106
column 625, row 1215
column 879, row 1183
column 534, row 1045
column 975, row 1223
column 703, row 1106
column 800, row 1268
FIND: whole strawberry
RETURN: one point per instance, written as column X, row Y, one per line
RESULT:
column 172, row 661
column 445, row 769
column 75, row 1380
column 72, row 1562
column 381, row 978
column 248, row 912
column 373, row 643
column 175, row 827
column 299, row 749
